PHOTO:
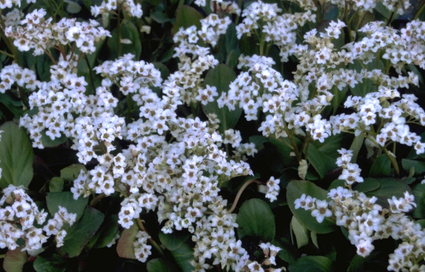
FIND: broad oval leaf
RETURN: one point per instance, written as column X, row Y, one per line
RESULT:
column 16, row 156
column 158, row 265
column 311, row 264
column 419, row 192
column 294, row 190
column 255, row 218
column 81, row 232
column 128, row 31
column 42, row 264
column 389, row 187
column 125, row 248
column 14, row 260
column 66, row 200
column 183, row 255
column 186, row 16
column 418, row 166
column 174, row 240
column 381, row 167
column 71, row 172
column 106, row 232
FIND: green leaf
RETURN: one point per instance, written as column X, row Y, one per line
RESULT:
column 70, row 173
column 256, row 219
column 356, row 264
column 159, row 16
column 56, row 185
column 220, row 77
column 125, row 247
column 128, row 31
column 158, row 265
column 419, row 193
column 232, row 42
column 14, row 260
column 322, row 162
column 389, row 187
column 285, row 150
column 72, row 7
column 356, row 145
column 288, row 252
column 313, row 237
column 43, row 64
column 294, row 190
column 16, row 156
column 183, row 255
column 12, row 104
column 381, row 167
column 106, row 232
column 174, row 240
column 66, row 200
column 368, row 185
column 418, row 166
column 81, row 232
column 383, row 10
column 301, row 232
column 186, row 16
column 311, row 264
column 42, row 264
column 48, row 142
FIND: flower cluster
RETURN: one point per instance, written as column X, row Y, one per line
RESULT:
column 367, row 221
column 9, row 3
column 128, row 6
column 213, row 27
column 35, row 32
column 141, row 249
column 19, row 216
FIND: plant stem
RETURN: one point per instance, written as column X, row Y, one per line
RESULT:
column 238, row 195
column 97, row 199
column 152, row 241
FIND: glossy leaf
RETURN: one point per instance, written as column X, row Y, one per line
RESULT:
column 418, row 166
column 42, row 264
column 174, row 240
column 285, row 150
column 48, row 142
column 56, row 185
column 106, row 232
column 419, row 193
column 220, row 77
column 311, row 264
column 66, row 200
column 16, row 156
column 322, row 162
column 71, row 172
column 14, row 260
column 128, row 31
column 294, row 190
column 81, row 232
column 125, row 248
column 301, row 232
column 288, row 252
column 72, row 7
column 256, row 219
column 158, row 265
column 389, row 187
column 183, row 255
column 356, row 264
column 368, row 185
column 381, row 167
column 186, row 16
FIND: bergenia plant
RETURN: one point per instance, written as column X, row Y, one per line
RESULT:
column 212, row 135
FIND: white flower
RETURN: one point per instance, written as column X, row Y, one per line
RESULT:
column 321, row 211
